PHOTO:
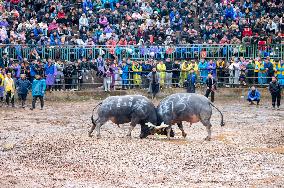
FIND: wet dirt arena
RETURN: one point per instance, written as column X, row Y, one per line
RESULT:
column 51, row 148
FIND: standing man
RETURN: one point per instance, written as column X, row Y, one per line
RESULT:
column 275, row 90
column 176, row 74
column 268, row 66
column 154, row 78
column 23, row 85
column 191, row 80
column 211, row 87
column 169, row 74
column 9, row 87
column 38, row 91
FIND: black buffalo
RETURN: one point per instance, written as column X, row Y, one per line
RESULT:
column 187, row 107
column 136, row 109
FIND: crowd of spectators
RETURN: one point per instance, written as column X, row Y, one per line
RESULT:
column 130, row 22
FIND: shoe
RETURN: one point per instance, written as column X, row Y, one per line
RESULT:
column 31, row 109
column 41, row 108
column 278, row 108
column 273, row 108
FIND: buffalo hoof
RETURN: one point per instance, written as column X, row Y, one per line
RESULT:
column 184, row 135
column 90, row 134
column 99, row 136
column 207, row 138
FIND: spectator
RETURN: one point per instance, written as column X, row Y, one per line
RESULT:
column 137, row 69
column 83, row 21
column 211, row 87
column 234, row 70
column 176, row 73
column 9, row 88
column 108, row 71
column 169, row 73
column 50, row 72
column 154, row 78
column 275, row 90
column 212, row 68
column 202, row 67
column 125, row 75
column 229, row 12
column 191, row 81
column 23, row 86
column 253, row 95
column 146, row 69
column 268, row 69
column 261, row 73
column 161, row 69
column 185, row 67
column 280, row 73
column 38, row 91
column 220, row 66
column 1, row 86
column 250, row 72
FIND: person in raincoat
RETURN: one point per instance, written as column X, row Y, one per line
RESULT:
column 191, row 81
column 234, row 70
column 161, row 68
column 50, row 72
column 9, row 88
column 137, row 69
column 256, row 63
column 261, row 73
column 23, row 86
column 38, row 91
column 280, row 72
column 185, row 67
column 1, row 87
column 125, row 75
column 202, row 67
column 212, row 68
column 253, row 95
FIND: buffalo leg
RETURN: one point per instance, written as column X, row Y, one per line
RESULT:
column 208, row 126
column 180, row 126
column 98, row 130
column 93, row 127
column 169, row 128
column 132, row 126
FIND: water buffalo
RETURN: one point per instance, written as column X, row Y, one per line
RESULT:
column 136, row 109
column 188, row 107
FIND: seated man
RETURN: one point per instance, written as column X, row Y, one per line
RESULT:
column 253, row 95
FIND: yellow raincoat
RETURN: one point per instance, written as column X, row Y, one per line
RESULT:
column 184, row 71
column 137, row 69
column 161, row 68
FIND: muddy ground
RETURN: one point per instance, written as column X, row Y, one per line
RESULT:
column 50, row 148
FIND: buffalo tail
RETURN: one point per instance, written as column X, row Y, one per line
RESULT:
column 222, row 118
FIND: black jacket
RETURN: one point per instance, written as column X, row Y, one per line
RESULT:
column 211, row 83
column 274, row 87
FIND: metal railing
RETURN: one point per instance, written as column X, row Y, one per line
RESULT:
column 189, row 51
column 227, row 79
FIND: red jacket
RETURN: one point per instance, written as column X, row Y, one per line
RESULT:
column 247, row 32
column 61, row 15
column 15, row 1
